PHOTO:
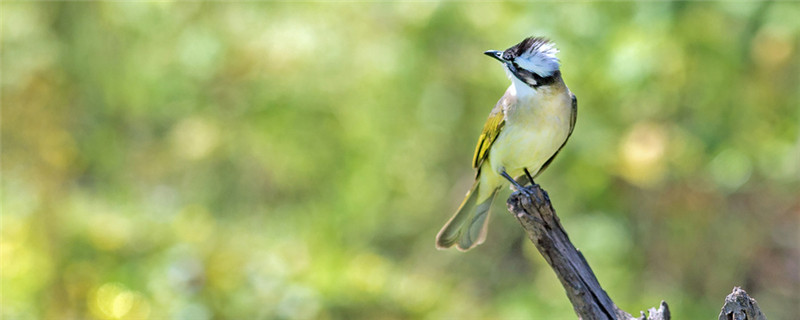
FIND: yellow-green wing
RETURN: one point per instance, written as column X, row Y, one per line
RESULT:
column 491, row 130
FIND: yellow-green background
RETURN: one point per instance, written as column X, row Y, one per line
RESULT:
column 243, row 160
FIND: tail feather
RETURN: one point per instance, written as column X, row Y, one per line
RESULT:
column 468, row 226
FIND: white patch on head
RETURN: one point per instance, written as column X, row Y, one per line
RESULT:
column 540, row 59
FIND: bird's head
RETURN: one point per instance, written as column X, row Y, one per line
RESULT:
column 532, row 61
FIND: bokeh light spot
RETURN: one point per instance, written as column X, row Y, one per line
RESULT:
column 730, row 169
column 194, row 138
column 199, row 51
column 114, row 301
column 194, row 224
column 642, row 151
column 299, row 302
column 368, row 272
column 109, row 231
column 771, row 47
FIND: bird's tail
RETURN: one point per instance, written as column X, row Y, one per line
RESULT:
column 467, row 228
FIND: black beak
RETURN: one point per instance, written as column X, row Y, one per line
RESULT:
column 495, row 54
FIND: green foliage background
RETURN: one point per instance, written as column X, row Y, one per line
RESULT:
column 294, row 160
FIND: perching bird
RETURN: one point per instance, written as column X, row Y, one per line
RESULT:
column 525, row 131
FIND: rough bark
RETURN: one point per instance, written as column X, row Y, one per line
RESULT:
column 739, row 306
column 531, row 206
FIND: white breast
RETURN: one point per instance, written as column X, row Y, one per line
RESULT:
column 536, row 127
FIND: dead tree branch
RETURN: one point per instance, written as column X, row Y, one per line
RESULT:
column 739, row 306
column 532, row 208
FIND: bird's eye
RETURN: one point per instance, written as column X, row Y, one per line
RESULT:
column 507, row 56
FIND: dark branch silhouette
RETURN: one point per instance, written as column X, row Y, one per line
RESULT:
column 532, row 208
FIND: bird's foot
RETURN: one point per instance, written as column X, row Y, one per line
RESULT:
column 510, row 179
column 518, row 187
column 528, row 174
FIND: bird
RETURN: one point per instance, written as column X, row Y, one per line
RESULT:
column 524, row 132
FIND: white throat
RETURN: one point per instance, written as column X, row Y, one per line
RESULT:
column 518, row 88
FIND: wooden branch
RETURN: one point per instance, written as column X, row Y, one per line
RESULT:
column 532, row 208
column 739, row 306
